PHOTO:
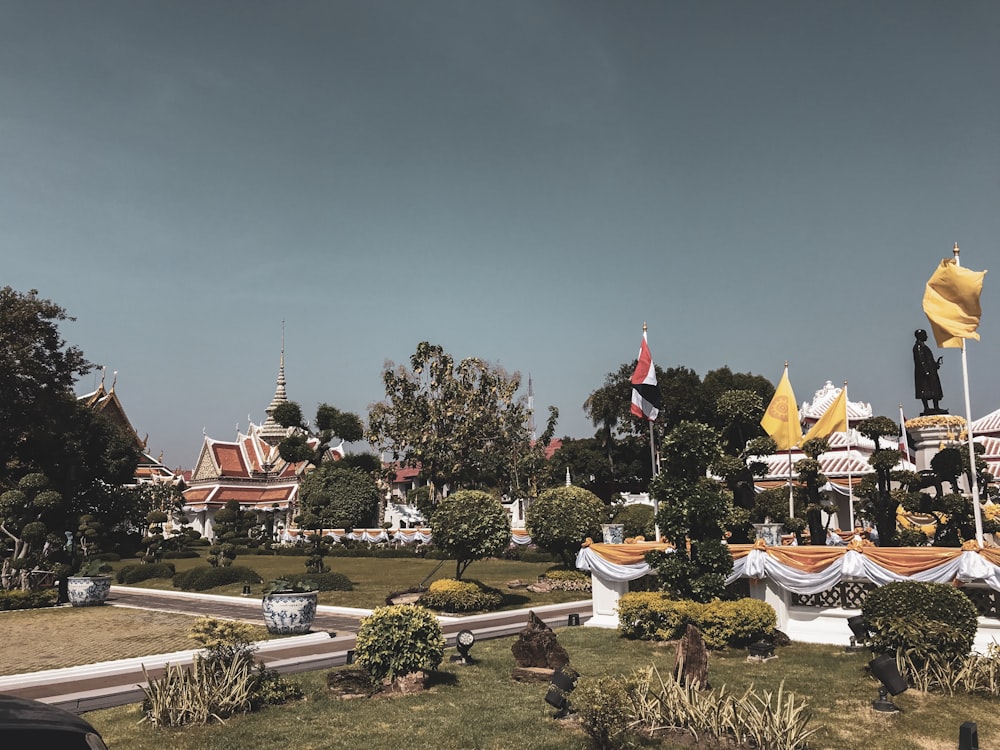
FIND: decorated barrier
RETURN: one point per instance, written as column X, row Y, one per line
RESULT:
column 382, row 536
column 775, row 573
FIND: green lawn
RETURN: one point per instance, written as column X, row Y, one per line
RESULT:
column 480, row 707
column 375, row 578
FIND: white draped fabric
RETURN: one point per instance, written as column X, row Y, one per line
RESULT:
column 809, row 570
column 589, row 559
column 519, row 536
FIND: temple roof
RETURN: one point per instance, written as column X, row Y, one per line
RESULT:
column 822, row 400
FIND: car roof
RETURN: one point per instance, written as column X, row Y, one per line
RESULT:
column 22, row 713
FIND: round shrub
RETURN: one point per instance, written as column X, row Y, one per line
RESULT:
column 604, row 707
column 398, row 640
column 449, row 595
column 562, row 518
column 137, row 573
column 470, row 525
column 736, row 623
column 922, row 619
column 179, row 554
column 208, row 577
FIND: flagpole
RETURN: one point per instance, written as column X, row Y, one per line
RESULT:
column 656, row 503
column 850, row 473
column 977, row 511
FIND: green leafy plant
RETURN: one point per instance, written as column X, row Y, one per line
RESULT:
column 604, row 709
column 399, row 640
column 205, row 577
column 448, row 594
column 655, row 616
column 290, row 585
column 562, row 518
column 470, row 525
column 921, row 620
column 219, row 683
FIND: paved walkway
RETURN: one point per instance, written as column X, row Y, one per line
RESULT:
column 116, row 683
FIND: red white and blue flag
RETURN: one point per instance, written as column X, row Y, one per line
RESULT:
column 645, row 391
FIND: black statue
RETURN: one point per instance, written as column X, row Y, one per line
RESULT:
column 926, row 383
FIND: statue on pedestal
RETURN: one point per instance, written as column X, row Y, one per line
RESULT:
column 926, row 383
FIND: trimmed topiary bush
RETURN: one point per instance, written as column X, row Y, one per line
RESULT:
column 17, row 599
column 399, row 640
column 562, row 518
column 324, row 581
column 449, row 595
column 922, row 619
column 137, row 573
column 208, row 577
column 651, row 615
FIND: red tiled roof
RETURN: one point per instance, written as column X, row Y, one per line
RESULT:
column 230, row 460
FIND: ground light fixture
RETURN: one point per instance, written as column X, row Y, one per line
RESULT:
column 968, row 736
column 562, row 684
column 463, row 643
column 860, row 632
column 884, row 668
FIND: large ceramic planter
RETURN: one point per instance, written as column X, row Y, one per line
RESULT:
column 88, row 591
column 289, row 613
column 614, row 533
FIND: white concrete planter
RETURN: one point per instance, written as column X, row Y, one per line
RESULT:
column 88, row 591
column 289, row 612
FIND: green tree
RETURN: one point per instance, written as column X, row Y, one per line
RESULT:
column 876, row 491
column 562, row 518
column 337, row 497
column 462, row 424
column 694, row 511
column 808, row 493
column 82, row 457
column 470, row 525
column 311, row 445
column 37, row 373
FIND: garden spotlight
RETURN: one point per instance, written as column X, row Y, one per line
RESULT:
column 463, row 642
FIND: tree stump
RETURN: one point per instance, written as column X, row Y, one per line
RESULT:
column 691, row 659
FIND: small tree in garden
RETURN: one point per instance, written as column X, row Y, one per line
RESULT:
column 694, row 512
column 470, row 525
column 880, row 501
column 231, row 525
column 562, row 518
column 399, row 640
column 330, row 423
column 811, row 479
column 339, row 498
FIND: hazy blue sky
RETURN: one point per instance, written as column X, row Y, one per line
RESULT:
column 526, row 182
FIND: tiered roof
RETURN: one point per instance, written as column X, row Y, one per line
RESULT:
column 106, row 402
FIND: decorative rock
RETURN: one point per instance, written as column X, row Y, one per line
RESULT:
column 536, row 646
column 532, row 674
column 516, row 584
column 691, row 659
column 407, row 684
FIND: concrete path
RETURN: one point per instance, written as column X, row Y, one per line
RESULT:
column 116, row 683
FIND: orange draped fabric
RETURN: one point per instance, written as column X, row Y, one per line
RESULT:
column 904, row 561
column 627, row 554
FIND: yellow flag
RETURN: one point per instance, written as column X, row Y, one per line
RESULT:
column 834, row 419
column 781, row 420
column 951, row 303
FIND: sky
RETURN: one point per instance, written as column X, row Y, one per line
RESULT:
column 524, row 182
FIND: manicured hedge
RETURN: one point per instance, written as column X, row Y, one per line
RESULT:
column 28, row 599
column 207, row 577
column 449, row 595
column 324, row 581
column 923, row 619
column 651, row 615
column 137, row 573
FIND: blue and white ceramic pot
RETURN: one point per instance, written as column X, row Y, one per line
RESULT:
column 289, row 613
column 88, row 591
